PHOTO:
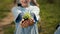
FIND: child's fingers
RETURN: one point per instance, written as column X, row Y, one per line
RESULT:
column 25, row 24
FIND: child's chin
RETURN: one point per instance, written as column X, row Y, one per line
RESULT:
column 24, row 4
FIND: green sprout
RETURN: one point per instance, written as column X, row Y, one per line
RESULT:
column 27, row 15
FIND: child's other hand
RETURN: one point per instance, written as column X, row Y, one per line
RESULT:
column 24, row 24
column 31, row 22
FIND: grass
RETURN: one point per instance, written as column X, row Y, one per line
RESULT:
column 50, row 17
column 3, row 13
column 9, row 29
column 5, row 6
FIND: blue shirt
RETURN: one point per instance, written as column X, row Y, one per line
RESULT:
column 34, row 10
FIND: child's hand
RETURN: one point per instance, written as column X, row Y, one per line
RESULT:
column 31, row 22
column 26, row 23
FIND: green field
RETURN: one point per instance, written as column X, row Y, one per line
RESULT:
column 50, row 16
column 49, row 12
column 5, row 6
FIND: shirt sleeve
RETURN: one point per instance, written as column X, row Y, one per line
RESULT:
column 19, row 18
column 57, row 31
column 16, row 13
column 36, row 11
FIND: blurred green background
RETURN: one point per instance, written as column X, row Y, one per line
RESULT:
column 49, row 13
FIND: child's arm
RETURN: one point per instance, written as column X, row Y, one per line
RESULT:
column 17, row 14
column 19, row 18
column 36, row 12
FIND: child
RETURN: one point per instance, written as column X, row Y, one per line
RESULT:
column 18, row 11
column 33, row 2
